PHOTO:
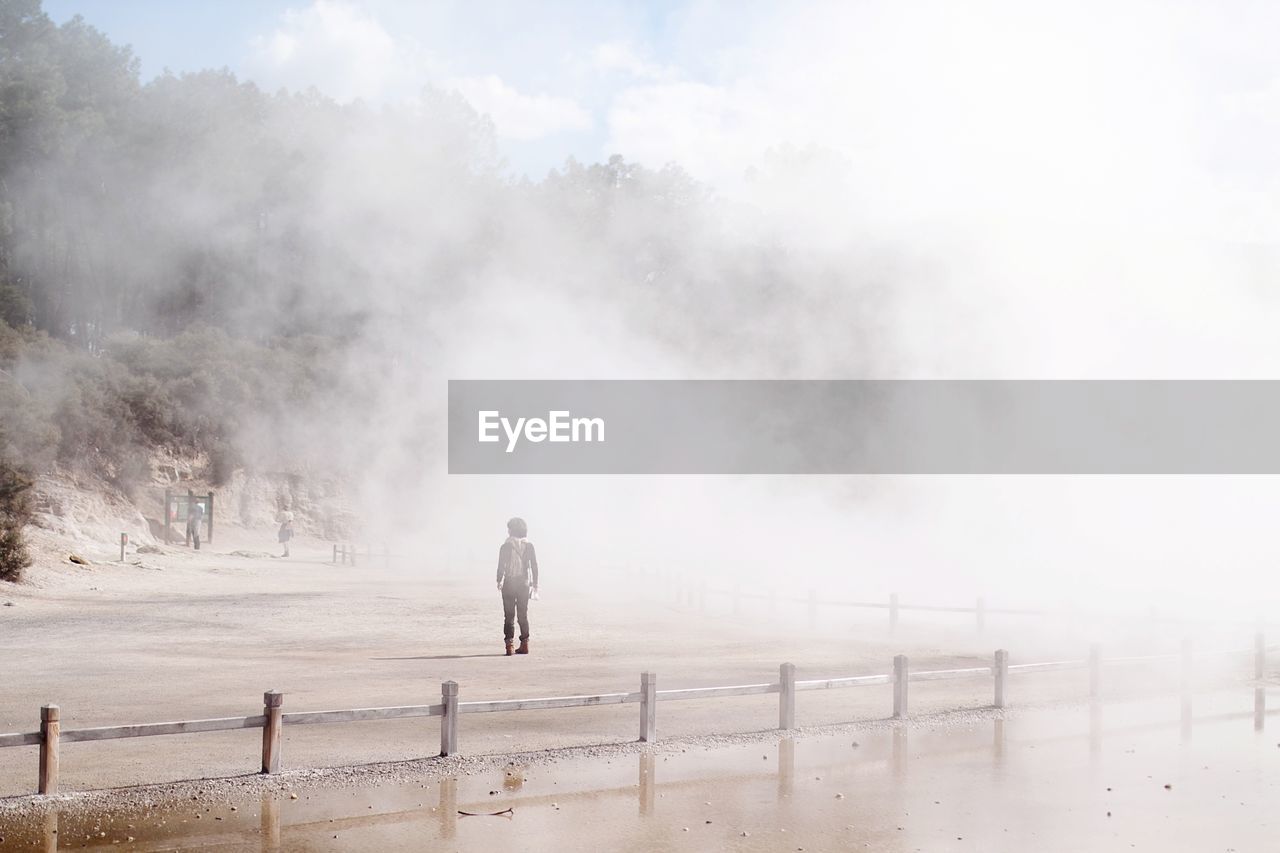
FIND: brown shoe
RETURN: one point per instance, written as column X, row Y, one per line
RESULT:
column 509, row 647
column 524, row 648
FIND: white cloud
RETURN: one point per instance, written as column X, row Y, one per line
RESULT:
column 622, row 56
column 520, row 116
column 340, row 49
column 347, row 52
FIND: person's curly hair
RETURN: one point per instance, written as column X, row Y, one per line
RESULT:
column 517, row 528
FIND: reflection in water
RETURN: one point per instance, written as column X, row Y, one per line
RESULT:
column 270, row 823
column 647, row 785
column 50, row 833
column 786, row 767
column 900, row 753
column 448, row 808
column 816, row 787
column 1095, row 728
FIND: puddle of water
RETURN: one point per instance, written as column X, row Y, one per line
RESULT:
column 1165, row 775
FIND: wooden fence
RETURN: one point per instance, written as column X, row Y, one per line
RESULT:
column 696, row 596
column 273, row 718
column 345, row 553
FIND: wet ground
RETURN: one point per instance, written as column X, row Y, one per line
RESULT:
column 1151, row 775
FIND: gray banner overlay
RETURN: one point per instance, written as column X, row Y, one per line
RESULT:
column 864, row 427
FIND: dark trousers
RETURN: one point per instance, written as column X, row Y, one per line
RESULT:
column 515, row 605
column 193, row 530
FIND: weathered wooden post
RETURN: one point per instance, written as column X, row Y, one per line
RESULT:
column 1095, row 671
column 1001, row 670
column 124, row 540
column 893, row 612
column 273, row 710
column 648, row 707
column 49, row 731
column 209, row 514
column 449, row 719
column 899, row 687
column 981, row 611
column 787, row 696
column 335, row 553
column 168, row 514
column 1259, row 656
column 191, row 499
column 813, row 608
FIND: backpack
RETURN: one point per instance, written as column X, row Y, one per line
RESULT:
column 514, row 570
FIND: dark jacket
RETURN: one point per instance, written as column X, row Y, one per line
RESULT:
column 530, row 562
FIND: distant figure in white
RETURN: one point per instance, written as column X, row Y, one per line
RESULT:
column 517, row 581
column 286, row 531
column 195, row 515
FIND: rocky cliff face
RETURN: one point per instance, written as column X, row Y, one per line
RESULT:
column 84, row 514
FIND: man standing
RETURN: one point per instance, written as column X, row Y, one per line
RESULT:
column 517, row 580
column 195, row 515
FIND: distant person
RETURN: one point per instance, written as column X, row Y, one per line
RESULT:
column 517, row 580
column 286, row 531
column 195, row 515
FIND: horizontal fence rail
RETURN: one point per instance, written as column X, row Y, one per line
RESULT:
column 50, row 735
column 695, row 594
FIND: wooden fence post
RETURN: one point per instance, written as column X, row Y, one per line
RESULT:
column 449, row 719
column 648, row 707
column 893, row 612
column 813, row 608
column 272, row 709
column 1001, row 670
column 1095, row 671
column 49, row 730
column 168, row 502
column 1260, row 656
column 899, row 687
column 787, row 696
column 124, row 540
column 981, row 611
column 209, row 517
column 335, row 553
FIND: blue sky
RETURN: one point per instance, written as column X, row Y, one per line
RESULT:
column 547, row 54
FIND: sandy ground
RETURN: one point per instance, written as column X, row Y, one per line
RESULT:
column 185, row 635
